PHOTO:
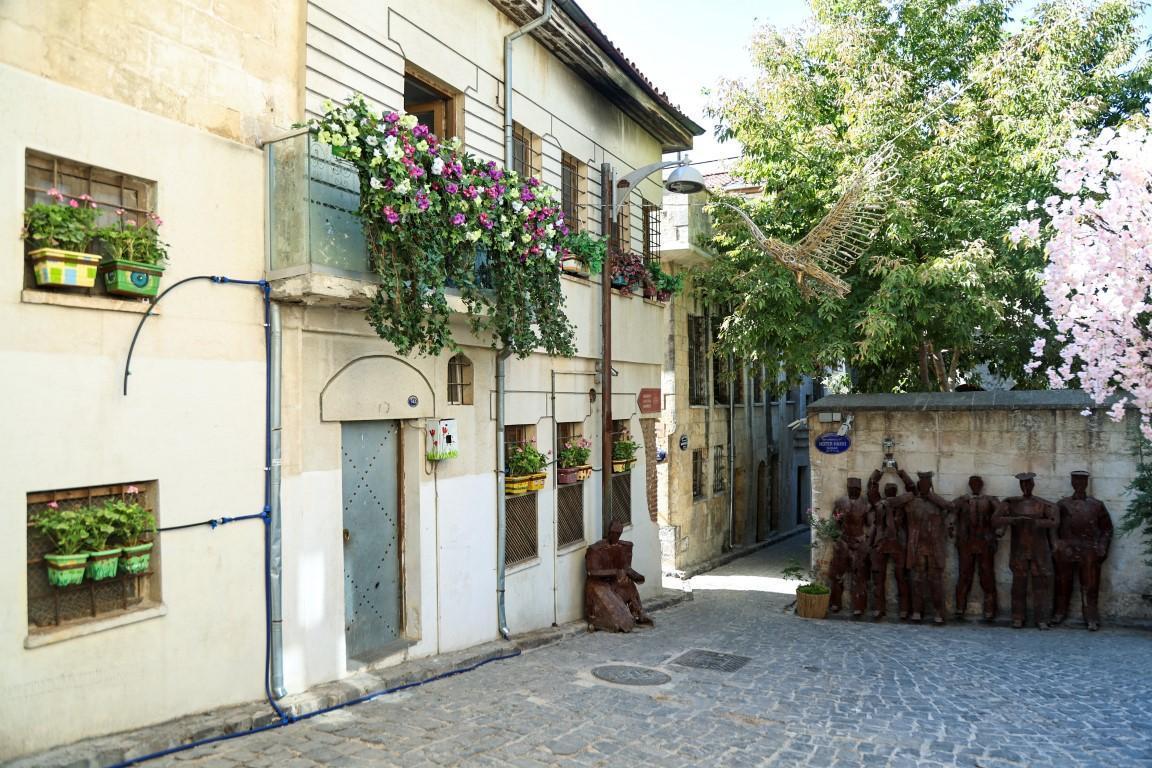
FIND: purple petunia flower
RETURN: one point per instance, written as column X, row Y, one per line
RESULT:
column 420, row 131
column 526, row 195
column 458, row 219
column 451, row 188
column 391, row 215
column 422, row 201
column 391, row 117
column 485, row 221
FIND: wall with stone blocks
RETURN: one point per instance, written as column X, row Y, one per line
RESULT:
column 994, row 435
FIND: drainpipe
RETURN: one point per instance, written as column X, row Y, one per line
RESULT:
column 751, row 471
column 276, row 560
column 731, row 457
column 504, row 354
column 510, row 38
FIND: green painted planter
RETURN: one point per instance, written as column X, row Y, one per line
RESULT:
column 66, row 269
column 102, row 565
column 66, row 570
column 136, row 559
column 130, row 278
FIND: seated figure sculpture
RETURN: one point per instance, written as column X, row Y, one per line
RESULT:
column 611, row 600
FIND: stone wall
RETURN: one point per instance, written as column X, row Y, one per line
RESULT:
column 995, row 435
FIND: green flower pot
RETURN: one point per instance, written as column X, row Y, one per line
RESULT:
column 136, row 559
column 66, row 570
column 130, row 278
column 102, row 565
column 68, row 269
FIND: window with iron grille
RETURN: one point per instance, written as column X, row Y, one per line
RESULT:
column 573, row 191
column 50, row 606
column 651, row 231
column 697, row 361
column 111, row 191
column 621, row 501
column 698, row 473
column 719, row 468
column 525, row 151
column 459, row 380
column 520, row 529
column 737, row 383
column 720, row 379
column 569, row 514
column 757, row 384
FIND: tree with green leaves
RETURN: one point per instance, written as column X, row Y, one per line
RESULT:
column 978, row 109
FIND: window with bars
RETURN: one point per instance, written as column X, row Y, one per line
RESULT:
column 525, row 151
column 720, row 379
column 521, row 540
column 737, row 383
column 651, row 243
column 569, row 514
column 573, row 191
column 757, row 384
column 697, row 361
column 459, row 380
column 698, row 473
column 624, row 226
column 621, row 501
column 50, row 606
column 517, row 435
column 719, row 469
column 111, row 191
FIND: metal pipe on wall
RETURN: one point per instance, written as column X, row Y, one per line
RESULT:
column 607, row 201
column 276, row 559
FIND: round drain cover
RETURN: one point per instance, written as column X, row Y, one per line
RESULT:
column 624, row 674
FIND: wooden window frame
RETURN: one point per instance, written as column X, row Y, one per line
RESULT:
column 574, row 192
column 448, row 110
column 460, row 380
column 527, row 150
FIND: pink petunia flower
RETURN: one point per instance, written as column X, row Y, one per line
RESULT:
column 131, row 489
column 53, row 505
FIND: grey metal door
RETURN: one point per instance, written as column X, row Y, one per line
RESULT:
column 369, row 477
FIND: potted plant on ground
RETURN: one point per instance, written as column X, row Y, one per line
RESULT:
column 101, row 524
column 134, row 256
column 572, row 461
column 813, row 595
column 523, row 469
column 67, row 530
column 59, row 234
column 623, row 453
column 135, row 526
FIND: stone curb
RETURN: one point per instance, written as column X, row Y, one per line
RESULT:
column 102, row 751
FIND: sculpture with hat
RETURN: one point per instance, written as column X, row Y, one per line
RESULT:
column 925, row 552
column 1032, row 519
column 1083, row 539
column 887, row 545
column 850, row 555
column 976, row 540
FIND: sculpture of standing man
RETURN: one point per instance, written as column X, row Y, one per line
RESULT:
column 925, row 553
column 850, row 555
column 887, row 545
column 976, row 546
column 1082, row 543
column 1032, row 519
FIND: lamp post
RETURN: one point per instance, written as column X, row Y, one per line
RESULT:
column 684, row 180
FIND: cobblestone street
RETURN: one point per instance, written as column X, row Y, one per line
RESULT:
column 819, row 693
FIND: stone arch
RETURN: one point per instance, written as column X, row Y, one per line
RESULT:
column 377, row 387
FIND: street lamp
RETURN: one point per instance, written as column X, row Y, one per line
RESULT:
column 685, row 180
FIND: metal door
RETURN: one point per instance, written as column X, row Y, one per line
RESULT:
column 370, row 474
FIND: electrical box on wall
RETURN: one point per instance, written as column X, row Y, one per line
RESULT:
column 443, row 442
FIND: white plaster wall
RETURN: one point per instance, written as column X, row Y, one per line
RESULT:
column 193, row 421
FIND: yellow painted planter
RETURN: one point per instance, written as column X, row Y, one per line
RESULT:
column 623, row 466
column 536, row 481
column 515, row 485
column 67, row 269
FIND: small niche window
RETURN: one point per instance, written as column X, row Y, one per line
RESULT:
column 526, row 150
column 433, row 104
column 573, row 192
column 459, row 380
column 113, row 585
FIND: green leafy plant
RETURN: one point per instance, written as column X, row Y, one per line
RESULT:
column 134, row 523
column 66, row 225
column 524, row 459
column 426, row 208
column 66, row 528
column 101, row 524
column 809, row 578
column 574, row 453
column 591, row 250
column 130, row 240
column 665, row 283
column 624, row 449
column 629, row 270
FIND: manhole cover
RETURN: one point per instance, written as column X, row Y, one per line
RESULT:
column 721, row 662
column 624, row 674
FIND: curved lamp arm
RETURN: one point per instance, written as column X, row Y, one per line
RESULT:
column 626, row 182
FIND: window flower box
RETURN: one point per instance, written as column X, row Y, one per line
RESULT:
column 64, row 269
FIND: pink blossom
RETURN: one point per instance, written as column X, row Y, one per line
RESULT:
column 53, row 505
column 131, row 489
column 73, row 203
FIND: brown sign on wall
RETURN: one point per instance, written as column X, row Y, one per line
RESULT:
column 649, row 400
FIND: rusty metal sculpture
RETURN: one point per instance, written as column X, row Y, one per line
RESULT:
column 925, row 554
column 1083, row 539
column 976, row 539
column 1032, row 519
column 850, row 555
column 887, row 546
column 611, row 600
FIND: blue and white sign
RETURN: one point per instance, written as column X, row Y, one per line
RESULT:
column 830, row 442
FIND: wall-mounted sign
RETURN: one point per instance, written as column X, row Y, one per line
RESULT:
column 683, row 442
column 649, row 400
column 830, row 442
column 413, row 401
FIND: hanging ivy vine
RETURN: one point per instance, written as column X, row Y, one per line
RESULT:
column 435, row 218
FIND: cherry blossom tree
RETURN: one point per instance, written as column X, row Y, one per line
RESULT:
column 1098, row 281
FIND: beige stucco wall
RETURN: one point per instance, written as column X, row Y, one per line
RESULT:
column 193, row 421
column 997, row 443
column 226, row 66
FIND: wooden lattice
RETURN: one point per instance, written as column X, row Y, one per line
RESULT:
column 569, row 514
column 521, row 537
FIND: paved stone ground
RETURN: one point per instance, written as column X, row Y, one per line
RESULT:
column 820, row 693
